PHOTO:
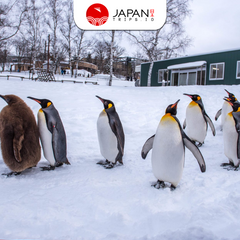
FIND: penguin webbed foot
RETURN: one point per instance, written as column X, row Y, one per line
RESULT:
column 11, row 173
column 116, row 164
column 103, row 163
column 109, row 165
column 200, row 144
column 159, row 184
column 229, row 166
column 49, row 168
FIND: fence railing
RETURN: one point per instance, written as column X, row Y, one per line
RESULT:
column 36, row 79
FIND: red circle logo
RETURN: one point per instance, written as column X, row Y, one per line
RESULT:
column 97, row 14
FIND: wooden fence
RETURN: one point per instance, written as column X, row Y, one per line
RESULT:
column 36, row 79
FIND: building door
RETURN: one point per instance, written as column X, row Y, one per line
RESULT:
column 201, row 77
column 175, row 79
column 188, row 77
column 192, row 78
column 182, row 79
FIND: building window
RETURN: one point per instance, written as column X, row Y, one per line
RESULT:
column 162, row 75
column 217, row 71
column 238, row 70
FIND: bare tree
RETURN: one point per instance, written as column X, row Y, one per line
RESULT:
column 100, row 53
column 79, row 40
column 167, row 41
column 11, row 18
column 33, row 30
column 67, row 27
column 111, row 57
column 53, row 19
column 82, row 44
column 111, row 35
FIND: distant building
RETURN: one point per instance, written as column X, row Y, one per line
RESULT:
column 205, row 69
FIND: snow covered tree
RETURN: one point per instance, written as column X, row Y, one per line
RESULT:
column 167, row 41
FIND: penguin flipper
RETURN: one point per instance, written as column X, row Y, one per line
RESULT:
column 17, row 143
column 219, row 112
column 184, row 124
column 120, row 137
column 147, row 146
column 59, row 147
column 118, row 132
column 236, row 117
column 210, row 124
column 195, row 151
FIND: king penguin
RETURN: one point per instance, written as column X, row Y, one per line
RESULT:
column 197, row 120
column 19, row 135
column 231, row 135
column 110, row 135
column 168, row 149
column 226, row 108
column 52, row 134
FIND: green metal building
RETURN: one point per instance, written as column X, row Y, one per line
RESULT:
column 206, row 69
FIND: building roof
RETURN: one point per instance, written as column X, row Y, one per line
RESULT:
column 208, row 53
column 187, row 65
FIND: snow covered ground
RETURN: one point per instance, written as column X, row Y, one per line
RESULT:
column 86, row 201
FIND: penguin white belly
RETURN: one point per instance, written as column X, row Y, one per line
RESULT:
column 230, row 137
column 106, row 137
column 168, row 151
column 46, row 138
column 196, row 126
column 226, row 108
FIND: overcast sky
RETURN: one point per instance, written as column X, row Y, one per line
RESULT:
column 213, row 26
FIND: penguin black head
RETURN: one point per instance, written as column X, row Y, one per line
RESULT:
column 108, row 105
column 45, row 103
column 172, row 108
column 11, row 99
column 235, row 105
column 194, row 97
column 231, row 96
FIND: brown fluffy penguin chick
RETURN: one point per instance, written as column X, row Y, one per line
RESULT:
column 19, row 135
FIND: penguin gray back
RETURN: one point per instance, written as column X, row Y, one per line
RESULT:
column 55, row 126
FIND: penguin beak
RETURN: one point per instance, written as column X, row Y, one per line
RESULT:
column 175, row 104
column 35, row 99
column 5, row 99
column 188, row 95
column 227, row 91
column 101, row 99
column 228, row 100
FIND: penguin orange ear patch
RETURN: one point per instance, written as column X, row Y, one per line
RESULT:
column 198, row 98
column 109, row 105
column 48, row 104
